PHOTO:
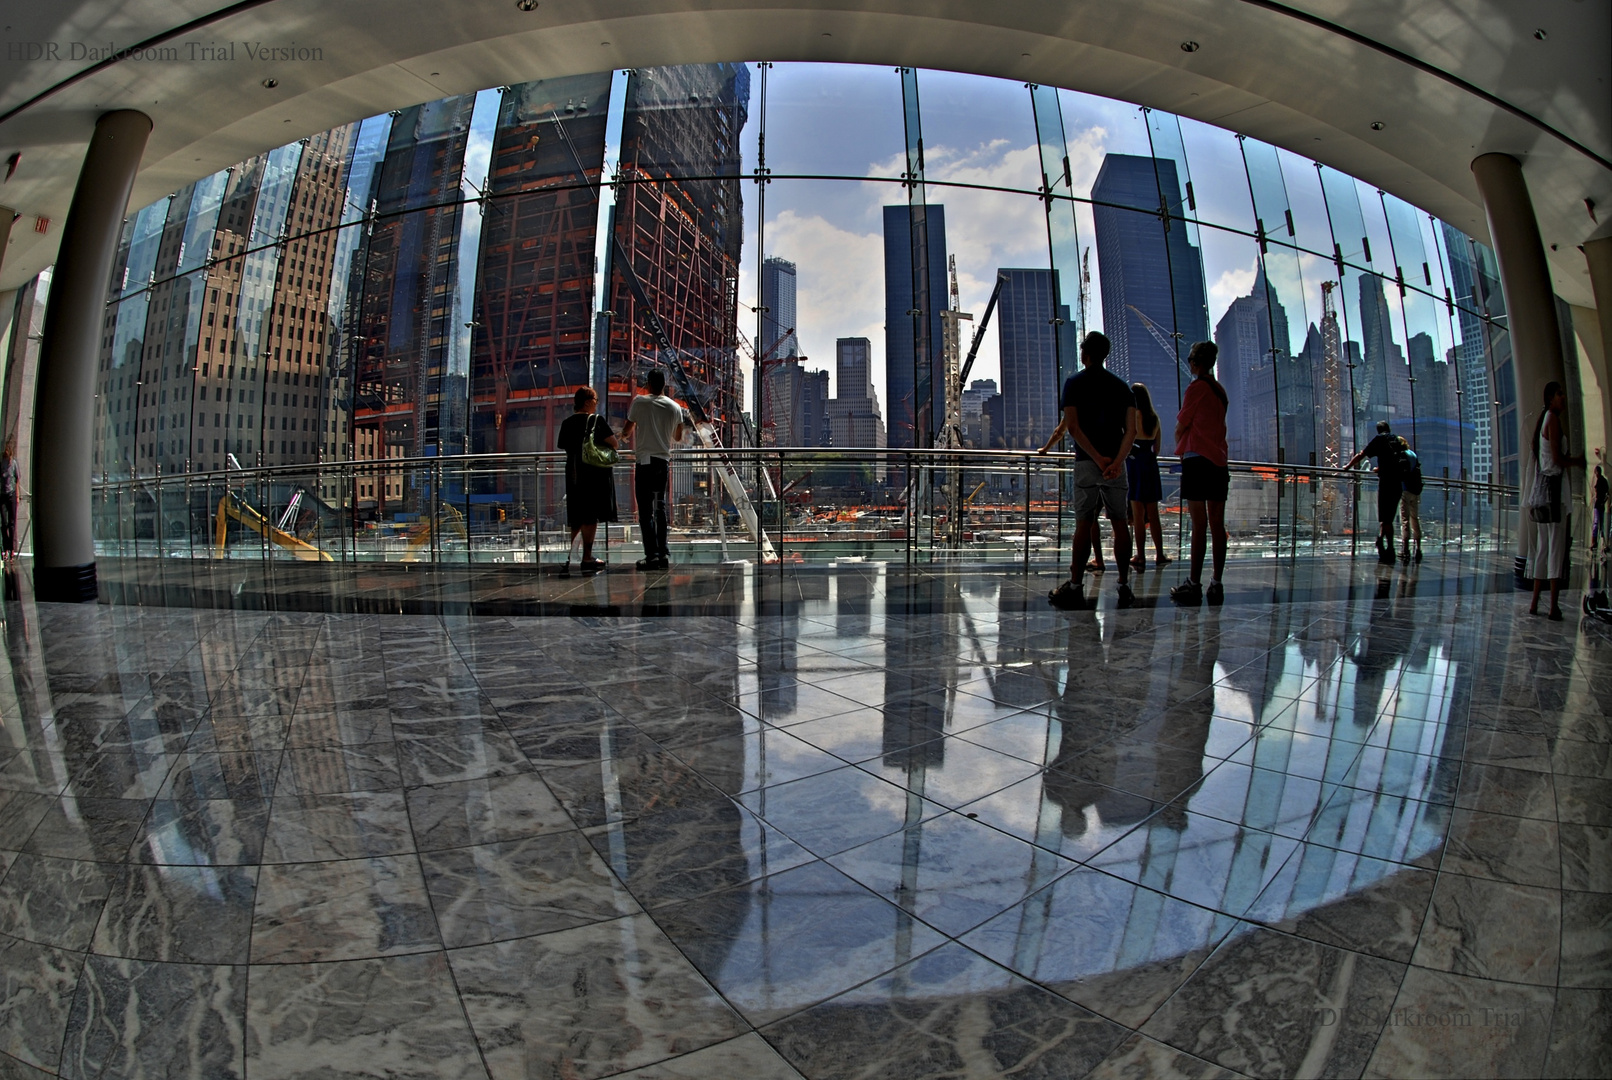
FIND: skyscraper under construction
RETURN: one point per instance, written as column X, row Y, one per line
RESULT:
column 508, row 276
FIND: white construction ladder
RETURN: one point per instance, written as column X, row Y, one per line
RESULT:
column 707, row 436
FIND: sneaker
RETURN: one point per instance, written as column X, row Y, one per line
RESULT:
column 1216, row 593
column 1068, row 597
column 1188, row 592
column 1126, row 597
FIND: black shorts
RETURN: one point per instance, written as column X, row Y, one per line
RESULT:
column 1204, row 481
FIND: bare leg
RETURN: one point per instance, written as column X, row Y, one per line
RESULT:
column 589, row 531
column 1122, row 549
column 1217, row 528
column 1139, row 527
column 1200, row 528
column 1533, row 608
column 575, row 529
column 1158, row 531
column 1096, row 534
column 1084, row 532
column 1555, row 589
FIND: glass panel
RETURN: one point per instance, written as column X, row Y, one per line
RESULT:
column 1093, row 128
column 834, row 120
column 366, row 148
column 1356, row 286
column 1382, row 323
column 406, row 295
column 681, row 238
column 1068, row 284
column 979, row 130
column 1238, row 304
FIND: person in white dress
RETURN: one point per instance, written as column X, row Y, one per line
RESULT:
column 1548, row 558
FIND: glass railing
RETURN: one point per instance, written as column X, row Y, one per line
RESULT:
column 965, row 507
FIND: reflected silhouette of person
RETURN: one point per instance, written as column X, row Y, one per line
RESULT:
column 1098, row 708
column 1384, row 643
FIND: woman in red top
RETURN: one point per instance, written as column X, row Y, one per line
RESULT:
column 1200, row 440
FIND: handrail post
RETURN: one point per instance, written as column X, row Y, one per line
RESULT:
column 1354, row 514
column 1026, row 513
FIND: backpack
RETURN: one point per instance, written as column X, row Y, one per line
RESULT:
column 1409, row 467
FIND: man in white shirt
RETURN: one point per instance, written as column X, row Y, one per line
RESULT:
column 654, row 423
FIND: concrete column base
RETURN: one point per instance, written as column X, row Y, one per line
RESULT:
column 66, row 584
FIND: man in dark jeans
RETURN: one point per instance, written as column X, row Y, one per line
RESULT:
column 654, row 423
column 1099, row 414
column 1390, row 485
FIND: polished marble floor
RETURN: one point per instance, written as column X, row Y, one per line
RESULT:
column 853, row 822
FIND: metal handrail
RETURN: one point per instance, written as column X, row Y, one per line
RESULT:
column 769, row 455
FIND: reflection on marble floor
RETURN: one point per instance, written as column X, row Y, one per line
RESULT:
column 869, row 823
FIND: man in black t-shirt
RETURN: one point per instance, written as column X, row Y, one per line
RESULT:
column 1099, row 413
column 1385, row 448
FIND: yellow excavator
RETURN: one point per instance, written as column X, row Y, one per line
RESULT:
column 233, row 505
column 452, row 521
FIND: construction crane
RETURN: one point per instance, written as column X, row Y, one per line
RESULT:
column 974, row 345
column 1167, row 342
column 1331, row 379
column 704, row 430
column 1332, row 453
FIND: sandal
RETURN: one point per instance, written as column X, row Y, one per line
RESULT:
column 1095, row 567
column 1162, row 560
column 1139, row 563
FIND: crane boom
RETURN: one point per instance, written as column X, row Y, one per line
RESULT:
column 979, row 331
column 1166, row 341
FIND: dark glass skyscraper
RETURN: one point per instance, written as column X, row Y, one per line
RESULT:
column 778, row 297
column 1027, row 336
column 1151, row 275
column 914, row 281
column 1248, row 372
column 409, row 271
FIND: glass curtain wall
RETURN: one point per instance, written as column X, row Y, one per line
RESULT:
column 442, row 279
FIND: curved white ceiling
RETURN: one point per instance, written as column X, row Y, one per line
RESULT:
column 1447, row 79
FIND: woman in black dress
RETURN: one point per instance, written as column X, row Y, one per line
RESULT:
column 1143, row 480
column 590, row 491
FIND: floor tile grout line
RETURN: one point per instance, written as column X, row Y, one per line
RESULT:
column 436, row 921
column 268, row 823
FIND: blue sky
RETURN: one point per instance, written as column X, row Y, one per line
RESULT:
column 846, row 121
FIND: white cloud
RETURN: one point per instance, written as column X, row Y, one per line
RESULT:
column 839, row 289
column 1231, row 284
